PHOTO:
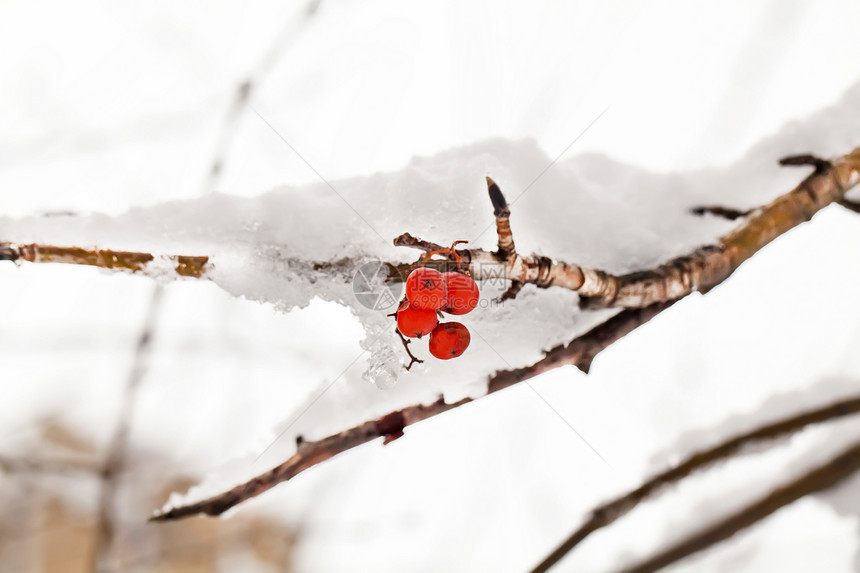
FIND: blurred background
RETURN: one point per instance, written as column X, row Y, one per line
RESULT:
column 115, row 392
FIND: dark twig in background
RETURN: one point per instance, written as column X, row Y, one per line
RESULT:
column 608, row 513
column 69, row 466
column 821, row 478
column 248, row 86
column 115, row 460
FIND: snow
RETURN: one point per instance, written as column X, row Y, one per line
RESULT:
column 404, row 111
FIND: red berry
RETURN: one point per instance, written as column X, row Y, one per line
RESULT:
column 414, row 322
column 449, row 340
column 462, row 293
column 425, row 288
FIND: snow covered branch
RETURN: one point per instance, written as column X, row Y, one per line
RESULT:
column 608, row 513
column 641, row 295
column 698, row 271
column 646, row 294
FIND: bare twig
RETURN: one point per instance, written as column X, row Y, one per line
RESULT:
column 115, row 460
column 609, row 512
column 580, row 352
column 502, row 213
column 248, row 86
column 718, row 211
column 412, row 358
column 821, row 478
column 407, row 240
column 145, row 263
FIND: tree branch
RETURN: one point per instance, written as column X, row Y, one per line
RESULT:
column 580, row 352
column 699, row 271
column 412, row 358
column 609, row 512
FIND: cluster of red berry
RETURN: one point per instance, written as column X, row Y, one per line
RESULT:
column 427, row 292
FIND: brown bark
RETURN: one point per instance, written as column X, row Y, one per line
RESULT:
column 147, row 263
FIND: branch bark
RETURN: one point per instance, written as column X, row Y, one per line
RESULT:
column 608, row 513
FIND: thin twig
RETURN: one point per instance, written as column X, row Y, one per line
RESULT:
column 135, row 262
column 821, row 478
column 609, row 512
column 412, row 358
column 69, row 466
column 719, row 211
column 247, row 87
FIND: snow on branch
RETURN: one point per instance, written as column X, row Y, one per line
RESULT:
column 645, row 294
column 698, row 271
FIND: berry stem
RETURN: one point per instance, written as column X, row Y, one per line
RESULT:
column 412, row 358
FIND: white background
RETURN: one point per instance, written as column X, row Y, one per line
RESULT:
column 109, row 106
